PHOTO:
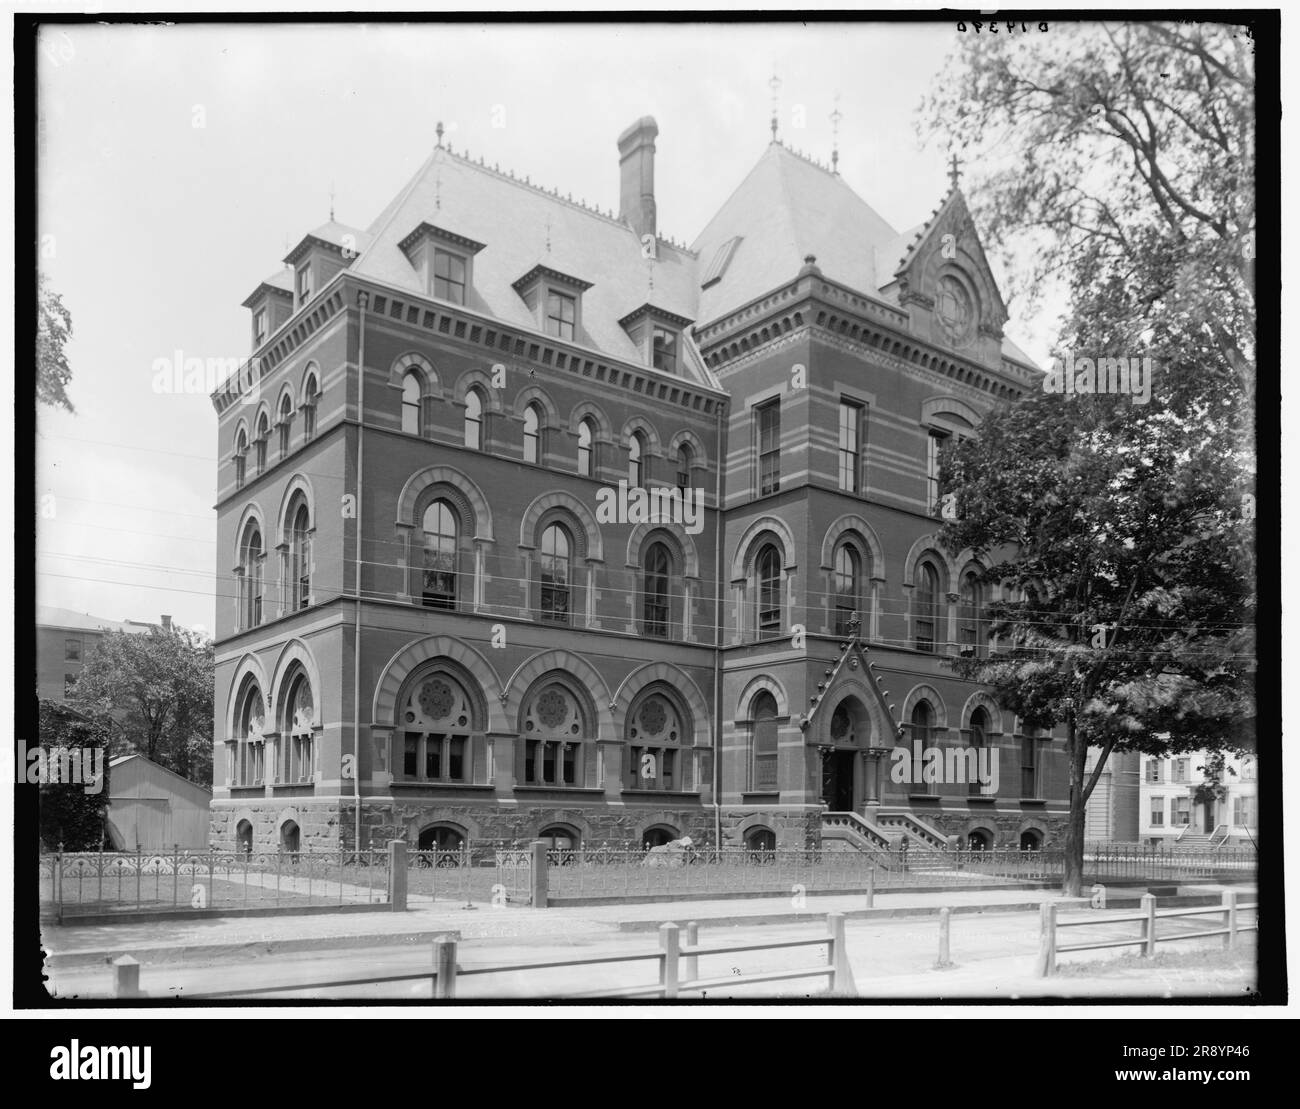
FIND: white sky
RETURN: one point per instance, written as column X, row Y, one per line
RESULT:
column 161, row 228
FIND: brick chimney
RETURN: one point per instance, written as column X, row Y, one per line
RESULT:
column 636, row 165
column 166, row 623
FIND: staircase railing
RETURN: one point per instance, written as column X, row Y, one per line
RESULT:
column 910, row 826
column 861, row 833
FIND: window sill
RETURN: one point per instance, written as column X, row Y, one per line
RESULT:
column 981, row 798
column 1033, row 801
column 683, row 793
column 761, row 797
column 293, row 785
column 434, row 783
column 925, row 797
column 595, row 791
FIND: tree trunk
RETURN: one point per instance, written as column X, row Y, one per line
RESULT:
column 1077, row 750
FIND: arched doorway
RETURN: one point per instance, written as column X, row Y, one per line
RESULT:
column 849, row 731
column 289, row 837
column 657, row 836
column 244, row 837
column 439, row 845
column 979, row 839
column 1031, row 840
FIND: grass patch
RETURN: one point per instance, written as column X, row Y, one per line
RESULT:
column 1240, row 960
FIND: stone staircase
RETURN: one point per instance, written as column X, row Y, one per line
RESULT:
column 905, row 825
column 851, row 830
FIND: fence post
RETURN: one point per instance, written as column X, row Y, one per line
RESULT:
column 397, row 875
column 176, row 873
column 126, row 977
column 1149, row 925
column 444, row 963
column 539, row 876
column 842, row 982
column 691, row 964
column 871, row 887
column 1047, row 939
column 668, row 944
column 945, row 935
column 1230, row 918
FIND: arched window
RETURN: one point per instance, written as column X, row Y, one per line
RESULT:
column 474, row 420
column 246, row 761
column 300, row 559
column 848, row 575
column 263, row 437
column 250, row 561
column 411, row 390
column 922, row 720
column 241, row 457
column 970, row 621
column 760, row 842
column 532, row 433
column 244, row 837
column 764, row 772
column 685, row 457
column 556, row 572
column 439, row 838
column 636, row 460
column 439, row 578
column 286, row 423
column 979, row 734
column 658, row 836
column 310, row 395
column 289, row 837
column 586, row 438
column 437, row 721
column 927, row 607
column 560, row 838
column 769, row 592
column 656, row 731
column 297, row 761
column 658, row 563
column 555, row 731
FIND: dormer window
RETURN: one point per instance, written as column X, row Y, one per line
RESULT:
column 561, row 314
column 304, row 285
column 555, row 299
column 664, row 349
column 657, row 334
column 444, row 261
column 449, row 273
column 259, row 327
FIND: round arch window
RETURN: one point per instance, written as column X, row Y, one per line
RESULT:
column 761, row 845
column 289, row 837
column 658, row 836
column 1031, row 840
column 440, row 845
column 979, row 840
column 244, row 837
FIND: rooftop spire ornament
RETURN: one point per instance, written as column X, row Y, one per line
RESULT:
column 836, row 116
column 775, row 85
column 438, row 131
column 954, row 170
column 331, row 202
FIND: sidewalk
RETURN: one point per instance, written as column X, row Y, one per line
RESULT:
column 213, row 940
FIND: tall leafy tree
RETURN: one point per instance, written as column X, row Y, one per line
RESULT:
column 158, row 689
column 53, row 330
column 1120, row 170
column 69, row 815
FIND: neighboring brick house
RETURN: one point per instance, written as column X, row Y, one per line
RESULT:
column 64, row 640
column 428, row 607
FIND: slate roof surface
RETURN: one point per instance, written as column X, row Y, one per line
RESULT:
column 786, row 207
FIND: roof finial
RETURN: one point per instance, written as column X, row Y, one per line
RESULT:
column 548, row 234
column 954, row 170
column 438, row 131
column 836, row 116
column 437, row 190
column 331, row 202
column 775, row 85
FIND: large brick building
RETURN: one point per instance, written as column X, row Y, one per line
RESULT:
column 435, row 628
